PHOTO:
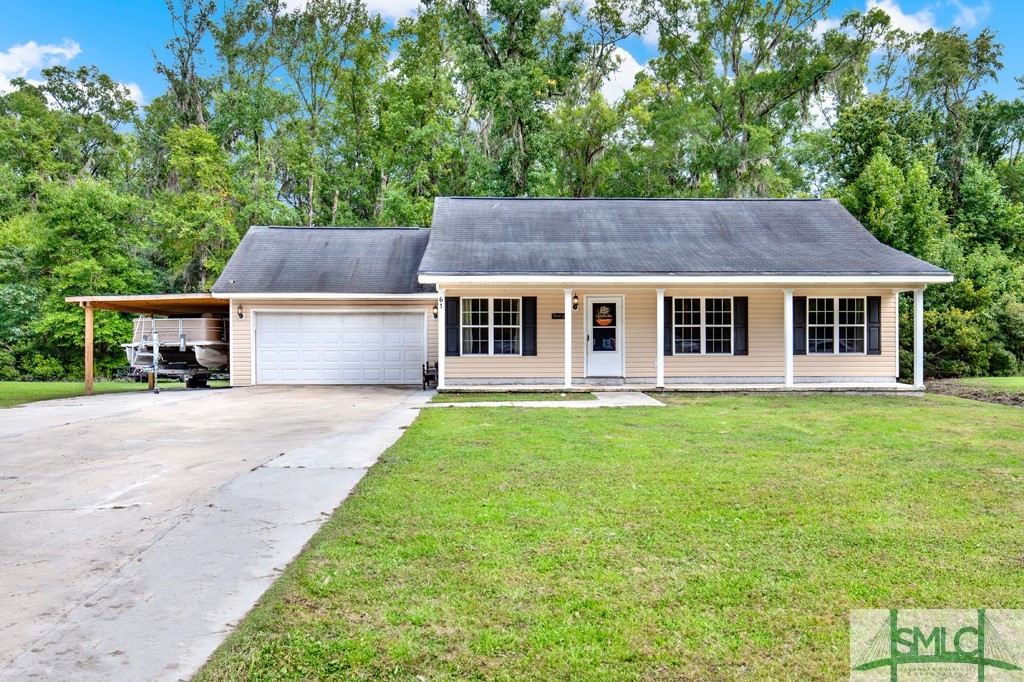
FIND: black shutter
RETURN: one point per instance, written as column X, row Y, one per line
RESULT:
column 529, row 325
column 668, row 323
column 451, row 326
column 739, row 325
column 799, row 325
column 874, row 342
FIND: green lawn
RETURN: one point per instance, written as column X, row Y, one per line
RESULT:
column 722, row 537
column 503, row 397
column 19, row 392
column 1013, row 384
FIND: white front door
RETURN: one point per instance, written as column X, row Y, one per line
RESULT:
column 339, row 348
column 604, row 336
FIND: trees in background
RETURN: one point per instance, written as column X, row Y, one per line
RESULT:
column 323, row 113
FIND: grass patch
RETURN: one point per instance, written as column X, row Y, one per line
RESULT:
column 505, row 397
column 1012, row 384
column 721, row 537
column 14, row 393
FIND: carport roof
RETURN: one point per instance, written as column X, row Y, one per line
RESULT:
column 155, row 304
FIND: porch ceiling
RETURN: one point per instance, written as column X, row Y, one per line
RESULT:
column 155, row 304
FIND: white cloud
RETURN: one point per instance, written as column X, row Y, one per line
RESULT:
column 18, row 61
column 393, row 9
column 650, row 34
column 622, row 79
column 969, row 17
column 917, row 22
column 135, row 93
column 823, row 25
column 822, row 111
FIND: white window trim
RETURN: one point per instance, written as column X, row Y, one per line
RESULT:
column 490, row 326
column 835, row 325
column 704, row 325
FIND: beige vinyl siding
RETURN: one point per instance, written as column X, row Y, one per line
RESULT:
column 849, row 364
column 643, row 340
column 640, row 336
column 241, row 330
column 548, row 363
column 765, row 357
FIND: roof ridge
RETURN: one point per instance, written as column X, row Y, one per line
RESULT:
column 644, row 199
column 354, row 228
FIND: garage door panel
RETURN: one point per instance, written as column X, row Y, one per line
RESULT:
column 339, row 348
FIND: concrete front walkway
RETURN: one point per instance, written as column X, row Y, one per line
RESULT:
column 617, row 399
column 137, row 529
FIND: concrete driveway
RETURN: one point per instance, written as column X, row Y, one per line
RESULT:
column 137, row 529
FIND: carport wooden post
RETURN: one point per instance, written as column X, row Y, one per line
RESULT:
column 88, row 348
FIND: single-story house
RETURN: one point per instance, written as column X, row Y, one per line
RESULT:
column 578, row 292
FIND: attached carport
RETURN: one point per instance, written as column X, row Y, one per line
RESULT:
column 155, row 305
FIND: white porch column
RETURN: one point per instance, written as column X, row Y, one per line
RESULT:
column 787, row 335
column 896, row 300
column 919, row 338
column 441, row 342
column 659, row 381
column 568, row 338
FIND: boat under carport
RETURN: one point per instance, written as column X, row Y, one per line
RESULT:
column 157, row 305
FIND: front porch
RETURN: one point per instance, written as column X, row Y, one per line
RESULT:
column 717, row 387
column 751, row 337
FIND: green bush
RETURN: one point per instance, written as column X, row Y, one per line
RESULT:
column 43, row 368
column 1002, row 363
column 956, row 344
column 8, row 366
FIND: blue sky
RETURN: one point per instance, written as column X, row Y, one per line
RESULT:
column 119, row 35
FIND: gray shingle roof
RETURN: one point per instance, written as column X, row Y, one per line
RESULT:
column 282, row 260
column 487, row 236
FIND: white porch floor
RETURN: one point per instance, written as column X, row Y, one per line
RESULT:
column 836, row 387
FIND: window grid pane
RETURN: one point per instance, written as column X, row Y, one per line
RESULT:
column 718, row 325
column 687, row 325
column 475, row 331
column 851, row 339
column 694, row 320
column 718, row 340
column 474, row 340
column 851, row 325
column 821, row 319
column 819, row 339
column 506, row 326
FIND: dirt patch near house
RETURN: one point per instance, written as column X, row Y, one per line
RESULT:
column 955, row 388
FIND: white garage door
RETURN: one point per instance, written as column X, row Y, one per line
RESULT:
column 339, row 348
